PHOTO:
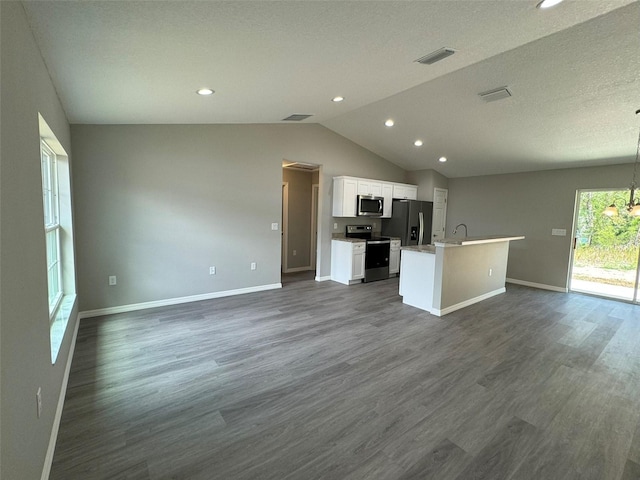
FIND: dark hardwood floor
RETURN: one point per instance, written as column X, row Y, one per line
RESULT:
column 325, row 381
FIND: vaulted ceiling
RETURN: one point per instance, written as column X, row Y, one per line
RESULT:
column 573, row 72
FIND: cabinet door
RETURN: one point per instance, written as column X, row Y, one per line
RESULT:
column 349, row 198
column 387, row 193
column 357, row 267
column 366, row 187
column 344, row 197
column 394, row 261
column 411, row 192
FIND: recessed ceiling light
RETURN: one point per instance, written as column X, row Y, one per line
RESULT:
column 204, row 92
column 418, row 143
column 442, row 159
column 337, row 99
column 548, row 3
column 389, row 123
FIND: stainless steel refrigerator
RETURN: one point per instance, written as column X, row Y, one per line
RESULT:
column 411, row 221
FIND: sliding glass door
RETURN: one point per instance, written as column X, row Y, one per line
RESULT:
column 605, row 248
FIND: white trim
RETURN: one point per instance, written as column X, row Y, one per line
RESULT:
column 466, row 303
column 537, row 285
column 315, row 196
column 323, row 279
column 298, row 269
column 284, row 224
column 48, row 459
column 176, row 301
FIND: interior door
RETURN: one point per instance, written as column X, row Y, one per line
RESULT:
column 439, row 213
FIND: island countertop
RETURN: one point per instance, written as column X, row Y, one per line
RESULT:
column 420, row 248
column 457, row 242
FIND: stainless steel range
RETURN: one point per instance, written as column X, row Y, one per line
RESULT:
column 376, row 260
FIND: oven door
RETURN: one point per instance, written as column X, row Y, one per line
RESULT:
column 376, row 261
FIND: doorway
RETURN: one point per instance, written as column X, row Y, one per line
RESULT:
column 604, row 258
column 300, row 227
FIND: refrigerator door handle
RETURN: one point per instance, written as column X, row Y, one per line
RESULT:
column 420, row 238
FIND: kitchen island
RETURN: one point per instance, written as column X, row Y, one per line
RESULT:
column 454, row 272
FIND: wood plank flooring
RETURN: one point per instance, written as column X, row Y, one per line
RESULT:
column 325, row 381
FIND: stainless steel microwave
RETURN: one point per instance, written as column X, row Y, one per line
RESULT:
column 370, row 206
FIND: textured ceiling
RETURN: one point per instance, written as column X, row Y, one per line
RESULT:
column 573, row 71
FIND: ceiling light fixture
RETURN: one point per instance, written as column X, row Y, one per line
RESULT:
column 389, row 123
column 442, row 159
column 548, row 3
column 204, row 92
column 633, row 205
column 337, row 99
column 418, row 143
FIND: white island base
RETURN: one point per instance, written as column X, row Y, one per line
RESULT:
column 454, row 273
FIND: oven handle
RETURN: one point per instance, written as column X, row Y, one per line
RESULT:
column 378, row 242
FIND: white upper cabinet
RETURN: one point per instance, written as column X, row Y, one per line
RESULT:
column 369, row 187
column 408, row 192
column 347, row 189
column 387, row 193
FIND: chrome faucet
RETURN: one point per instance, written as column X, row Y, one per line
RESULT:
column 465, row 229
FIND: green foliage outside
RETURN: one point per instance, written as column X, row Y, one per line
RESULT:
column 606, row 242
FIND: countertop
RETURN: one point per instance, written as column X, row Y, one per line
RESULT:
column 356, row 240
column 458, row 242
column 420, row 248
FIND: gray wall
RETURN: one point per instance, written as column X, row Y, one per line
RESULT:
column 530, row 204
column 299, row 224
column 25, row 358
column 427, row 180
column 156, row 205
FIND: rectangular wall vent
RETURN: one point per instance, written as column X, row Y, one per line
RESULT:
column 297, row 117
column 436, row 56
column 495, row 94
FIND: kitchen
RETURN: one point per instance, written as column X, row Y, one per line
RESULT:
column 433, row 276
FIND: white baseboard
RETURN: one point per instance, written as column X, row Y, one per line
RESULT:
column 48, row 459
column 323, row 279
column 299, row 269
column 176, row 301
column 537, row 285
column 466, row 303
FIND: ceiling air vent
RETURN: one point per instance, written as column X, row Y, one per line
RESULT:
column 436, row 56
column 495, row 94
column 297, row 117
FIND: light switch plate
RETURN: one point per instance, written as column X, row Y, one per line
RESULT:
column 559, row 232
column 274, row 226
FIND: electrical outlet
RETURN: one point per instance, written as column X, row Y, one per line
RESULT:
column 375, row 224
column 212, row 270
column 335, row 226
column 39, row 401
column 295, row 252
column 253, row 265
column 274, row 226
column 112, row 280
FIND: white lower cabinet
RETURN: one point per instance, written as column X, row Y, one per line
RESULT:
column 394, row 258
column 347, row 261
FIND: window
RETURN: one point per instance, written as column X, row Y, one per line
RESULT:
column 51, row 205
column 58, row 235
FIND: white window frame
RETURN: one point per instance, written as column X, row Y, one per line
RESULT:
column 52, row 228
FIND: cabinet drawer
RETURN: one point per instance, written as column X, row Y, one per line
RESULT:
column 359, row 247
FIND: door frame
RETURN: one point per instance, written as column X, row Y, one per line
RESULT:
column 284, row 224
column 313, row 252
